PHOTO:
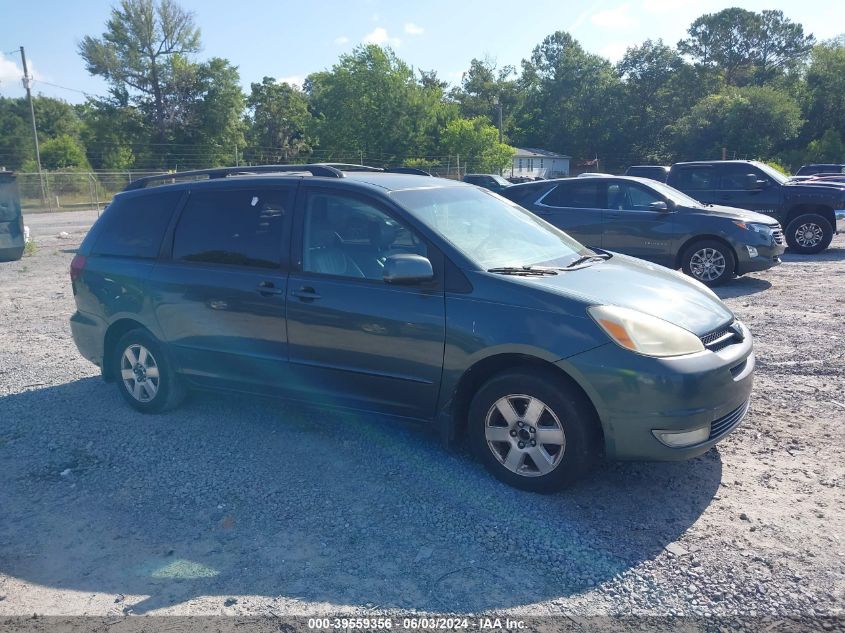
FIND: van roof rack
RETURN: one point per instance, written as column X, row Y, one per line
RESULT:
column 223, row 172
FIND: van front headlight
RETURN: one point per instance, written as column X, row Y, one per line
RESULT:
column 643, row 333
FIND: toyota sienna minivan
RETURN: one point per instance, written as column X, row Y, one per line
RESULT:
column 410, row 296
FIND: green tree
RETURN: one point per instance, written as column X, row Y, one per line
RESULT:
column 751, row 122
column 483, row 87
column 114, row 134
column 476, row 142
column 280, row 124
column 138, row 54
column 829, row 148
column 370, row 104
column 63, row 152
column 659, row 87
column 745, row 46
column 571, row 100
column 213, row 105
column 824, row 105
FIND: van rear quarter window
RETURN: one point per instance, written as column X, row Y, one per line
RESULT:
column 134, row 226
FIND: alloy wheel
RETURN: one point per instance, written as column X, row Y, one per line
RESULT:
column 139, row 372
column 809, row 235
column 707, row 264
column 525, row 435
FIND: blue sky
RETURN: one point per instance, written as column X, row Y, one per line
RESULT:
column 288, row 40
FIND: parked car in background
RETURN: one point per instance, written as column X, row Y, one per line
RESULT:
column 654, row 172
column 11, row 220
column 652, row 221
column 488, row 181
column 312, row 283
column 808, row 210
column 821, row 168
column 593, row 174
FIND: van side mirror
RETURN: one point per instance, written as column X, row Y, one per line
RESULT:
column 407, row 268
column 659, row 206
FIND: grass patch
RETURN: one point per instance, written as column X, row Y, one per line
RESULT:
column 29, row 248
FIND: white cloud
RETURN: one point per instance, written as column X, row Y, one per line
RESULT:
column 340, row 41
column 10, row 73
column 380, row 37
column 294, row 80
column 413, row 29
column 615, row 19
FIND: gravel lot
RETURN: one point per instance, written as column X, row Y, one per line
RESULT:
column 232, row 505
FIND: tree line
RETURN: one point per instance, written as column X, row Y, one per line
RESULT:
column 742, row 83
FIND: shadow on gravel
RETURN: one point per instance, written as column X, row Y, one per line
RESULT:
column 832, row 254
column 742, row 286
column 229, row 496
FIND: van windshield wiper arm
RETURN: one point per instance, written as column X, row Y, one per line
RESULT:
column 525, row 271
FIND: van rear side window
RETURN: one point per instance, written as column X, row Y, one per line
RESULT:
column 134, row 226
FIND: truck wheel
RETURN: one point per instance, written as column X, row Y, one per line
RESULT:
column 709, row 261
column 532, row 430
column 809, row 233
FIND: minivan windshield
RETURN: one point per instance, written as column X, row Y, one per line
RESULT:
column 489, row 230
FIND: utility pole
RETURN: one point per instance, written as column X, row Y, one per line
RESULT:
column 26, row 85
column 497, row 101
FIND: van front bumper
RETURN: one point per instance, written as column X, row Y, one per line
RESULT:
column 639, row 398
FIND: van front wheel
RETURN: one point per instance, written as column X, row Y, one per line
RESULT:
column 532, row 430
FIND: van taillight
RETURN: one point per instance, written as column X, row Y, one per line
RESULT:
column 76, row 267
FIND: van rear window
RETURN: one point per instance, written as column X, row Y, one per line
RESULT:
column 134, row 226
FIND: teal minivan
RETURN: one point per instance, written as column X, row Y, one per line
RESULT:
column 411, row 296
column 11, row 220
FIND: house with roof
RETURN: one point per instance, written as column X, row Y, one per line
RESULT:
column 538, row 163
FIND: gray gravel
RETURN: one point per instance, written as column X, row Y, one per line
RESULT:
column 232, row 505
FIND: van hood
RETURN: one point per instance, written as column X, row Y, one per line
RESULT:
column 633, row 283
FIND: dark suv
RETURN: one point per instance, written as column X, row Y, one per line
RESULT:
column 11, row 220
column 488, row 181
column 412, row 296
column 647, row 219
column 809, row 211
column 821, row 168
column 655, row 172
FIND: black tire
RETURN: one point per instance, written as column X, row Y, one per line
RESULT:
column 721, row 257
column 808, row 234
column 168, row 390
column 565, row 408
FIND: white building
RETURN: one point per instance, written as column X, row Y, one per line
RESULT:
column 534, row 163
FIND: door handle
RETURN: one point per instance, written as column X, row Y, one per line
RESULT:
column 267, row 288
column 306, row 293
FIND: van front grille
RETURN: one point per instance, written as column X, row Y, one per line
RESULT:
column 727, row 423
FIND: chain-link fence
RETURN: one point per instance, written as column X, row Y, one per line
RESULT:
column 66, row 190
column 69, row 190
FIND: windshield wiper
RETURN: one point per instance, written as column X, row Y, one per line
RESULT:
column 526, row 271
column 588, row 258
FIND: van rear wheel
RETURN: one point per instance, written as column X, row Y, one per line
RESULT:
column 532, row 430
column 144, row 374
